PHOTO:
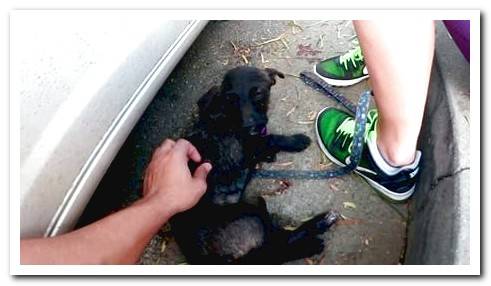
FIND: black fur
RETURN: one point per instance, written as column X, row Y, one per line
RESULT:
column 230, row 133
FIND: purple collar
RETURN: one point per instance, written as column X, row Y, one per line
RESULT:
column 264, row 132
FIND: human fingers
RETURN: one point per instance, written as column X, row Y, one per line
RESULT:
column 184, row 147
column 166, row 146
column 202, row 171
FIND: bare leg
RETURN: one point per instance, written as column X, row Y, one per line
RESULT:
column 398, row 56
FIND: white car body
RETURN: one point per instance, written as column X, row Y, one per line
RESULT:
column 83, row 79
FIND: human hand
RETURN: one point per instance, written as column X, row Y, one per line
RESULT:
column 169, row 179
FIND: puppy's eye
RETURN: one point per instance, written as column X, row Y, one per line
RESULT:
column 257, row 94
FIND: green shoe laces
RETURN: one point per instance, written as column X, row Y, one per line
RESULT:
column 347, row 128
column 352, row 56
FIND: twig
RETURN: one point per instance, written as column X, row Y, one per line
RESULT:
column 304, row 122
column 299, row 58
column 320, row 43
column 283, row 164
column 285, row 43
column 298, row 94
column 284, row 98
column 293, row 75
column 316, row 23
column 163, row 246
column 233, row 45
column 245, row 59
column 291, row 111
column 288, row 62
column 352, row 37
column 270, row 40
column 262, row 58
column 294, row 25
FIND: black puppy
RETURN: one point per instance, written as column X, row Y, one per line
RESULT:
column 231, row 134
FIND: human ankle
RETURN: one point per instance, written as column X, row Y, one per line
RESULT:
column 397, row 155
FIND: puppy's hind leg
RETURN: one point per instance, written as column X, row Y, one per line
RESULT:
column 303, row 242
column 316, row 225
column 285, row 245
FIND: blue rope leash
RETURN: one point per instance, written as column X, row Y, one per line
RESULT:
column 360, row 113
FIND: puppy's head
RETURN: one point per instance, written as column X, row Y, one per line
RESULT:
column 241, row 102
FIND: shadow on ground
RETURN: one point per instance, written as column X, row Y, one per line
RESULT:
column 373, row 231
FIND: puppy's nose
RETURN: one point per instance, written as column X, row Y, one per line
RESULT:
column 254, row 130
column 219, row 199
column 233, row 198
column 249, row 121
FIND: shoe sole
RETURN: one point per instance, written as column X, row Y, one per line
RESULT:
column 383, row 190
column 340, row 82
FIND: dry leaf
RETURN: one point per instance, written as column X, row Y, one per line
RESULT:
column 284, row 164
column 282, row 188
column 306, row 219
column 349, row 221
column 164, row 245
column 166, row 228
column 307, row 50
column 290, row 227
column 312, row 115
column 309, row 261
column 349, row 205
column 285, row 183
column 334, row 187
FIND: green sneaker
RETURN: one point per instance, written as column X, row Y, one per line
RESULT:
column 344, row 70
column 335, row 128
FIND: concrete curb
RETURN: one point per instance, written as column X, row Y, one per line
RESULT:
column 438, row 229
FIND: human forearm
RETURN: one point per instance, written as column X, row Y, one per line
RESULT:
column 117, row 239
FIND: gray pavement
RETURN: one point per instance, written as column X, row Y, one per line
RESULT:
column 373, row 231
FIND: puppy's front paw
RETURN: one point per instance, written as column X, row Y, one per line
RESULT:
column 299, row 142
column 292, row 143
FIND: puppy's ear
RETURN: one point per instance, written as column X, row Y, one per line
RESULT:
column 272, row 73
column 205, row 101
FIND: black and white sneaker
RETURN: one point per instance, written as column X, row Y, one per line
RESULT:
column 334, row 130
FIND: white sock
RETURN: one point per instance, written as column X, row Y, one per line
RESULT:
column 380, row 160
